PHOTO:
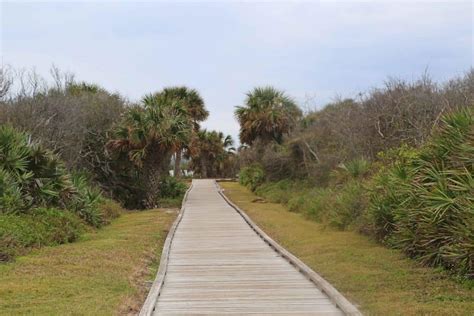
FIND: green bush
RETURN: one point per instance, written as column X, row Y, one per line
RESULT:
column 11, row 198
column 319, row 201
column 29, row 175
column 40, row 202
column 342, row 206
column 170, row 202
column 86, row 201
column 34, row 177
column 276, row 192
column 171, row 187
column 172, row 192
column 251, row 176
column 109, row 210
column 297, row 203
column 39, row 227
column 350, row 203
column 424, row 203
column 354, row 169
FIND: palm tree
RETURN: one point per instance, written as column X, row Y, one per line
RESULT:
column 267, row 115
column 149, row 134
column 226, row 160
column 209, row 152
column 203, row 151
column 195, row 109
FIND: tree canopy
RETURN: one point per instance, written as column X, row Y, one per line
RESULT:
column 267, row 115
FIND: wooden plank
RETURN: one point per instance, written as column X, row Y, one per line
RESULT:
column 218, row 264
column 150, row 302
column 341, row 302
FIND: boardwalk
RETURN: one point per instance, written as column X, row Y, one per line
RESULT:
column 218, row 265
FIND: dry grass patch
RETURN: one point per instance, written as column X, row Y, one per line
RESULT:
column 102, row 274
column 382, row 281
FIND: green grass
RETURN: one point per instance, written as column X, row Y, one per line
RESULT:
column 101, row 274
column 380, row 280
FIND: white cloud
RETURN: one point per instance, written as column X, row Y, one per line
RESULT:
column 226, row 48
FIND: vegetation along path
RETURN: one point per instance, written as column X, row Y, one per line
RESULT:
column 219, row 263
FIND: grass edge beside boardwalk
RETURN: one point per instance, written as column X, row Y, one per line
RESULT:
column 101, row 274
column 380, row 280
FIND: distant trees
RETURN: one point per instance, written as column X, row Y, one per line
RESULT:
column 123, row 147
column 212, row 154
column 267, row 115
column 52, row 138
column 195, row 110
column 5, row 82
column 68, row 117
column 149, row 135
column 394, row 163
column 400, row 112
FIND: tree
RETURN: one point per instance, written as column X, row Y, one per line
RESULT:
column 5, row 82
column 267, row 115
column 149, row 135
column 227, row 160
column 195, row 109
column 210, row 150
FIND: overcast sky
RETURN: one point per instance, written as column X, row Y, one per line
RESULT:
column 309, row 49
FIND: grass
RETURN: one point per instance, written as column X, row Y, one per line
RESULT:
column 104, row 273
column 380, row 280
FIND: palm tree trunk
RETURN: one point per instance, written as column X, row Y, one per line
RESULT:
column 177, row 164
column 152, row 177
column 203, row 169
column 154, row 167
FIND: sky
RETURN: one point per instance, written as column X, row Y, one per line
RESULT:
column 313, row 50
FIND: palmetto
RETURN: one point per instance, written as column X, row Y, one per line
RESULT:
column 29, row 172
column 425, row 203
column 149, row 134
column 195, row 110
column 190, row 99
column 210, row 152
column 32, row 176
column 267, row 115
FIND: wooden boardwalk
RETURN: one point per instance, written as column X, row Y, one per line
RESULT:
column 217, row 264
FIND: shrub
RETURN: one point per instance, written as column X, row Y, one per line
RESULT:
column 172, row 191
column 11, row 199
column 251, row 176
column 30, row 175
column 356, row 168
column 34, row 177
column 40, row 202
column 341, row 207
column 171, row 187
column 321, row 201
column 388, row 189
column 39, row 227
column 71, row 118
column 109, row 210
column 424, row 202
column 276, row 192
column 297, row 203
column 349, row 205
column 170, row 202
column 86, row 200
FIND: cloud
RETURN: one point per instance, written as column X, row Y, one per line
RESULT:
column 224, row 49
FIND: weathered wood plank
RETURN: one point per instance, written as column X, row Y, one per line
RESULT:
column 218, row 264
